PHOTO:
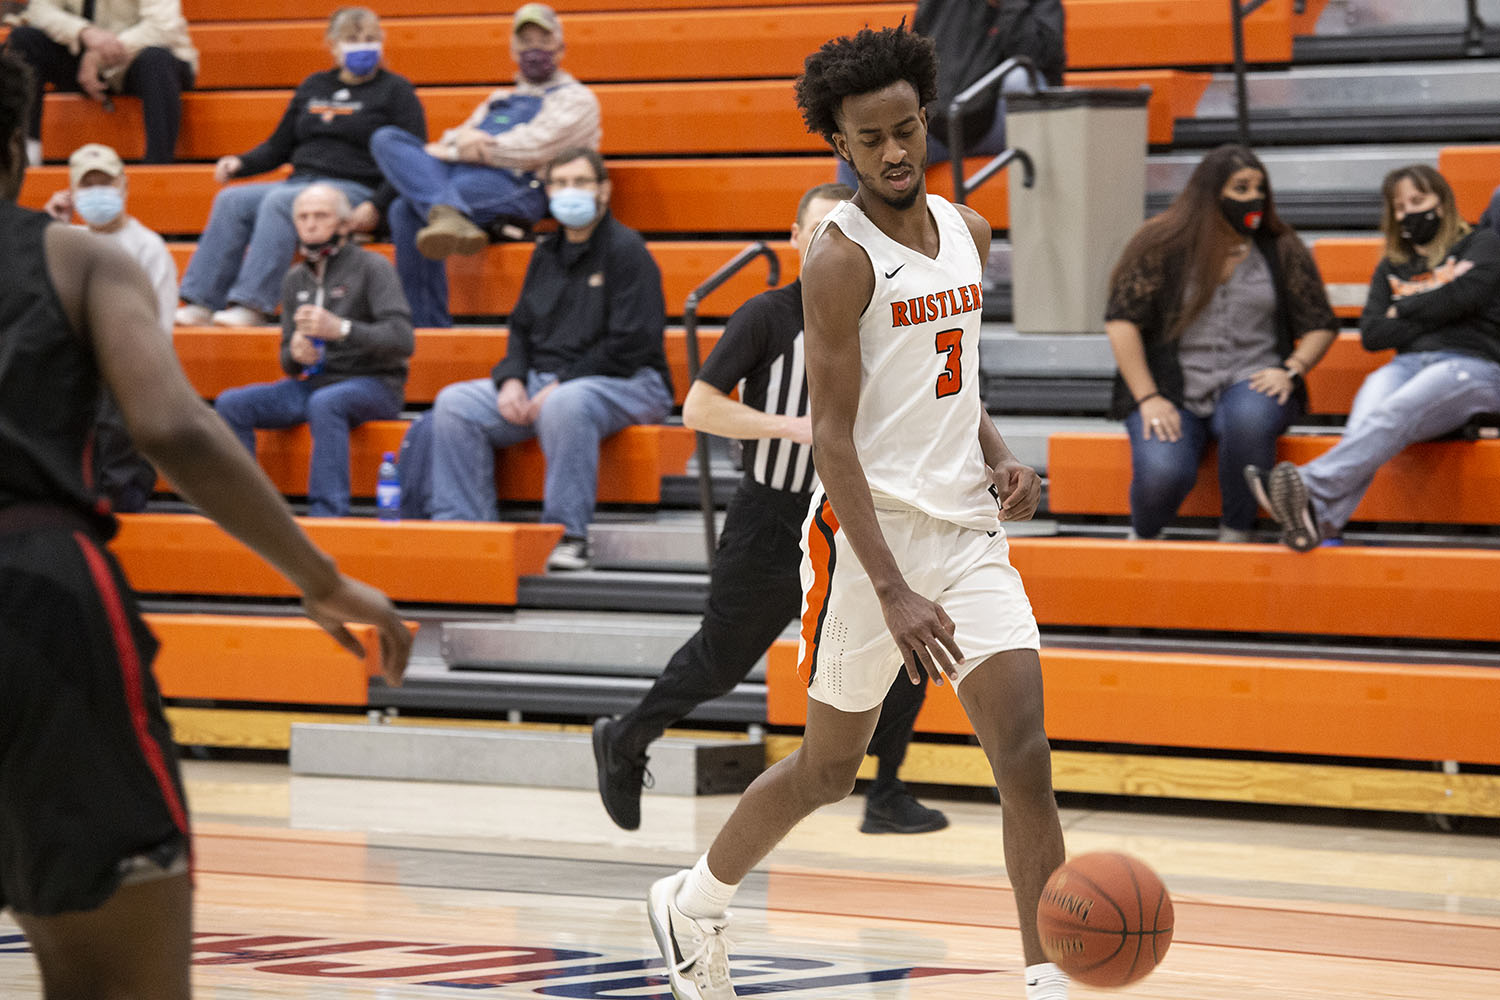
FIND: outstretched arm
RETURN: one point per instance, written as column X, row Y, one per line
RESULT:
column 837, row 283
column 107, row 297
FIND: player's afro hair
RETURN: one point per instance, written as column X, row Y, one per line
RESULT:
column 869, row 61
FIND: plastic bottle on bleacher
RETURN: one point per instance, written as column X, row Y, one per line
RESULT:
column 388, row 489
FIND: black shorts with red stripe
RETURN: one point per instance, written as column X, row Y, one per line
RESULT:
column 88, row 770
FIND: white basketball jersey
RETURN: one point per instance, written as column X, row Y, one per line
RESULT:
column 917, row 429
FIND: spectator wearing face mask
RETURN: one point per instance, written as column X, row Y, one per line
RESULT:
column 482, row 173
column 1216, row 314
column 235, row 274
column 346, row 338
column 97, row 196
column 1435, row 298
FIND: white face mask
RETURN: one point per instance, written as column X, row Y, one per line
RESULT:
column 99, row 205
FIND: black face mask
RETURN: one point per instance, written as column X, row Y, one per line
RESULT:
column 317, row 251
column 1243, row 216
column 1418, row 228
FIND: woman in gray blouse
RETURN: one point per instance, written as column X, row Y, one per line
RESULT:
column 1216, row 313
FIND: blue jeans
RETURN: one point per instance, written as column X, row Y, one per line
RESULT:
column 1414, row 397
column 1246, row 424
column 329, row 411
column 481, row 193
column 575, row 418
column 249, row 243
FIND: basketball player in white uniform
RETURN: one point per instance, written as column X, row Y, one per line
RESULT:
column 905, row 558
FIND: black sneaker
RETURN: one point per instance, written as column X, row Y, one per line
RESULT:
column 620, row 778
column 1290, row 507
column 897, row 811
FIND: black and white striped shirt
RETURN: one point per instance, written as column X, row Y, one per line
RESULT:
column 761, row 351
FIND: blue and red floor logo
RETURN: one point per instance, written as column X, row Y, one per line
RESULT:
column 556, row 972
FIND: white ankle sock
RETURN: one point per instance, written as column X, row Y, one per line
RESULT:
column 1045, row 981
column 34, row 151
column 703, row 896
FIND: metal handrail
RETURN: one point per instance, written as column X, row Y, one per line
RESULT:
column 956, row 108
column 1237, row 13
column 690, row 323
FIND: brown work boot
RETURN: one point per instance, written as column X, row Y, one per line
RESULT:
column 449, row 231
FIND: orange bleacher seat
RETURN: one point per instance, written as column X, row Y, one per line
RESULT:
column 1438, row 482
column 1332, row 384
column 1474, row 173
column 246, row 658
column 631, row 463
column 690, row 117
column 1347, row 264
column 219, row 358
column 697, row 195
column 205, row 11
column 488, row 283
column 450, row 562
column 1121, row 33
column 1260, row 704
column 1174, row 94
column 688, row 44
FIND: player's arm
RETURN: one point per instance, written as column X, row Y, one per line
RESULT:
column 709, row 410
column 107, row 295
column 837, row 282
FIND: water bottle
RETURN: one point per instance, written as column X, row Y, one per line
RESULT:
column 388, row 489
column 317, row 366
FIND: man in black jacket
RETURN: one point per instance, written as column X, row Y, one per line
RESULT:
column 345, row 339
column 584, row 361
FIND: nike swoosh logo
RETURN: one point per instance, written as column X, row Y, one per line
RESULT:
column 892, row 274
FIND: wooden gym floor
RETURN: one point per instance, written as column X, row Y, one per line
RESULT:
column 331, row 888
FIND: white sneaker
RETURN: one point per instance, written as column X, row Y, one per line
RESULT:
column 194, row 315
column 240, row 316
column 696, row 951
column 570, row 554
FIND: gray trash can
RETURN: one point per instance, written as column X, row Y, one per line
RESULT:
column 1066, row 232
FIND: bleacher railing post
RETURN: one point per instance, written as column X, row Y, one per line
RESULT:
column 690, row 328
column 1237, row 13
column 995, row 78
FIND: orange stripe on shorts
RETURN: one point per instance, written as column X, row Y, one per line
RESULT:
column 821, row 529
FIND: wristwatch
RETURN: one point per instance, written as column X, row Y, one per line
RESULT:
column 345, row 327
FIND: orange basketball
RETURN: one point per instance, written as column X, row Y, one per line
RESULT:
column 1105, row 919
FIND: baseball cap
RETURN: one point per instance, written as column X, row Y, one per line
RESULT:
column 94, row 156
column 539, row 14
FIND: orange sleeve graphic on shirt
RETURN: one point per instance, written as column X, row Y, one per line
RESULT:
column 821, row 552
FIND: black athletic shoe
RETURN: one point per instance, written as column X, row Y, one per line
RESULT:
column 620, row 778
column 1290, row 507
column 896, row 811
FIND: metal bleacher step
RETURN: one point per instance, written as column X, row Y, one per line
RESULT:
column 1372, row 30
column 514, row 757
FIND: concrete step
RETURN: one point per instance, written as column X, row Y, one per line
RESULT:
column 507, row 757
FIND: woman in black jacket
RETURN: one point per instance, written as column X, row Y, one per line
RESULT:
column 1435, row 298
column 1216, row 313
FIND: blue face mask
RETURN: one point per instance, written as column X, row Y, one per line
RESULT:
column 360, row 58
column 99, row 205
column 573, row 207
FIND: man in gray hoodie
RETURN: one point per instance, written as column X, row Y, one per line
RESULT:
column 346, row 336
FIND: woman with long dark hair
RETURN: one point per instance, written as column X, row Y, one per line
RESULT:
column 1216, row 314
column 1435, row 298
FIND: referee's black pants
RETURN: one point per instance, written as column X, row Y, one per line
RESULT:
column 754, row 590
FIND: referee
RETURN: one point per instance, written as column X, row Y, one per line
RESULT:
column 755, row 588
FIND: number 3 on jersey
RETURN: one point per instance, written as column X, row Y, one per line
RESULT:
column 951, row 379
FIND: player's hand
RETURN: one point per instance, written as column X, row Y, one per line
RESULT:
column 1020, row 490
column 511, row 402
column 226, row 168
column 352, row 601
column 60, row 205
column 1160, row 419
column 924, row 634
column 799, row 429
